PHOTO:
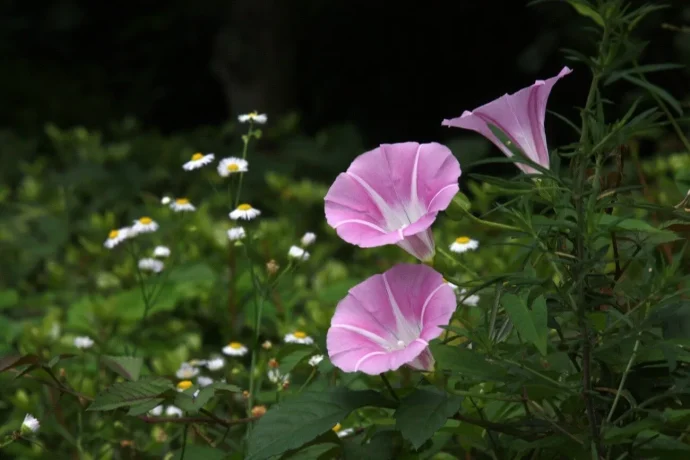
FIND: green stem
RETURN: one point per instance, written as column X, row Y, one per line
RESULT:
column 492, row 224
column 184, row 442
column 244, row 157
column 390, row 387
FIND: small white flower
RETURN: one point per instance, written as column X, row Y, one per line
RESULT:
column 236, row 233
column 315, row 360
column 276, row 377
column 165, row 201
column 196, row 393
column 83, row 342
column 470, row 301
column 245, row 212
column 463, row 244
column 296, row 252
column 182, row 205
column 235, row 349
column 161, row 251
column 308, row 239
column 203, row 381
column 253, row 116
column 144, row 225
column 186, row 371
column 345, row 432
column 173, row 411
column 299, row 337
column 156, row 411
column 116, row 237
column 30, row 424
column 55, row 331
column 267, row 345
column 232, row 165
column 215, row 364
column 198, row 160
column 151, row 265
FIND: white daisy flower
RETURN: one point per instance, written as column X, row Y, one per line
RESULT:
column 204, row 381
column 144, row 225
column 161, row 251
column 83, row 342
column 198, row 160
column 166, row 200
column 299, row 337
column 116, row 237
column 151, row 265
column 236, row 233
column 254, row 117
column 232, row 165
column 315, row 360
column 296, row 252
column 463, row 244
column 275, row 376
column 182, row 205
column 156, row 411
column 30, row 425
column 186, row 371
column 470, row 301
column 308, row 239
column 215, row 364
column 173, row 411
column 245, row 212
column 235, row 349
column 184, row 385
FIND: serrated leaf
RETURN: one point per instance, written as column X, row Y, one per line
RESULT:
column 294, row 422
column 292, row 354
column 208, row 392
column 126, row 366
column 144, row 407
column 130, row 393
column 423, row 412
column 530, row 324
column 186, row 402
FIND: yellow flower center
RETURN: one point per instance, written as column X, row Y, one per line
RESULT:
column 253, row 114
column 337, row 427
column 232, row 167
column 113, row 234
column 185, row 385
column 235, row 345
column 300, row 335
column 197, row 156
column 182, row 201
column 462, row 240
column 244, row 207
column 145, row 220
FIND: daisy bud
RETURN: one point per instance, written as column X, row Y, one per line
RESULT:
column 30, row 425
column 272, row 267
column 273, row 363
column 267, row 345
column 258, row 411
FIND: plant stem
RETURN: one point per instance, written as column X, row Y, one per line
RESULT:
column 184, row 441
column 246, row 140
column 390, row 387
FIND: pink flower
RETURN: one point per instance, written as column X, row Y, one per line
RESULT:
column 391, row 195
column 389, row 319
column 521, row 118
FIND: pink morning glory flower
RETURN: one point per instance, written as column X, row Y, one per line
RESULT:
column 392, row 194
column 521, row 118
column 388, row 320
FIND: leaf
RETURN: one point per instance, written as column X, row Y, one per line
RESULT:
column 56, row 359
column 12, row 361
column 458, row 207
column 586, row 10
column 530, row 324
column 315, row 451
column 208, row 392
column 130, row 393
column 380, row 447
column 470, row 364
column 8, row 298
column 618, row 74
column 660, row 92
column 294, row 422
column 199, row 452
column 126, row 366
column 292, row 354
column 144, row 407
column 423, row 412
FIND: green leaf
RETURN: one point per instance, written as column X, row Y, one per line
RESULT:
column 208, row 392
column 459, row 206
column 530, row 324
column 315, row 451
column 618, row 74
column 380, row 447
column 8, row 298
column 586, row 10
column 423, row 412
column 56, row 359
column 292, row 354
column 199, row 452
column 660, row 92
column 130, row 393
column 471, row 364
column 294, row 422
column 125, row 366
column 12, row 361
column 144, row 407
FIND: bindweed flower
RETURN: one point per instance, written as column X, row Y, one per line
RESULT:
column 173, row 411
column 215, row 364
column 245, row 212
column 116, row 237
column 470, row 301
column 186, row 371
column 184, row 385
column 308, row 239
column 182, row 205
column 315, row 360
column 204, row 381
column 156, row 411
column 255, row 117
column 151, row 265
column 463, row 244
column 198, row 160
column 236, row 234
column 235, row 349
column 144, row 225
column 388, row 320
column 299, row 337
column 392, row 194
column 161, row 251
column 520, row 116
column 83, row 342
column 232, row 165
column 298, row 253
column 30, row 425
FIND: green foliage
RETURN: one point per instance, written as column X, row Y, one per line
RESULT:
column 423, row 412
column 125, row 394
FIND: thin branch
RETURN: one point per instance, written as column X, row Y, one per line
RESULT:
column 201, row 420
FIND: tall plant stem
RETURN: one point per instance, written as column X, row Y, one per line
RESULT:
column 246, row 138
